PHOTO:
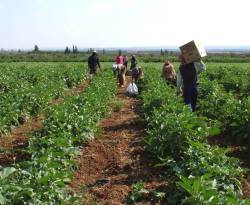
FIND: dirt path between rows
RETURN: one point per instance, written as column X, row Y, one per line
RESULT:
column 112, row 163
column 11, row 144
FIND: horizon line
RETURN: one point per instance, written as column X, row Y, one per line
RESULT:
column 219, row 47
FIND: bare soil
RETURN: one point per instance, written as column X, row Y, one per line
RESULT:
column 112, row 163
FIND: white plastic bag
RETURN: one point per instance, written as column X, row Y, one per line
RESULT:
column 114, row 67
column 132, row 89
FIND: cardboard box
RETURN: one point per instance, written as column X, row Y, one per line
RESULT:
column 193, row 51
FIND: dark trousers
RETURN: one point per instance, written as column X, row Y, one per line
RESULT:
column 190, row 94
column 92, row 71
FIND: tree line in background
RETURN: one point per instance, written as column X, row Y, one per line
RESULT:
column 66, row 51
column 73, row 54
column 74, row 49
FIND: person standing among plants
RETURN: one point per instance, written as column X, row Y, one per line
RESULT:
column 133, row 62
column 93, row 63
column 187, row 80
column 119, row 59
column 121, row 69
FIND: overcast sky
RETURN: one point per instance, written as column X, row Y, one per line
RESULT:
column 127, row 23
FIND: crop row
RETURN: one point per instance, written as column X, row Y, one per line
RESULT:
column 233, row 77
column 224, row 99
column 44, row 179
column 197, row 172
column 229, row 115
column 26, row 88
column 109, row 56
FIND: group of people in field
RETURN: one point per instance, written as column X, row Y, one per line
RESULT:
column 120, row 69
column 186, row 80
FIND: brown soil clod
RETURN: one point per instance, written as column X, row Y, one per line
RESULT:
column 13, row 157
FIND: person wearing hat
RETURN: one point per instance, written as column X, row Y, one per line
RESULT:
column 93, row 63
column 168, row 73
column 187, row 80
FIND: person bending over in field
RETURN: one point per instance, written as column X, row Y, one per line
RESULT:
column 121, row 75
column 187, row 80
column 168, row 73
column 93, row 63
column 137, row 73
column 115, row 69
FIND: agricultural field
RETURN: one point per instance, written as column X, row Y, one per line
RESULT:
column 197, row 158
column 109, row 56
column 179, row 139
column 27, row 88
column 41, row 178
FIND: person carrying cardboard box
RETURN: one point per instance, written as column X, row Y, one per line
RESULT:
column 187, row 80
column 191, row 65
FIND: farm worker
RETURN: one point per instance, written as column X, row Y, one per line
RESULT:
column 121, row 69
column 137, row 73
column 168, row 73
column 133, row 62
column 188, row 81
column 114, row 68
column 121, row 75
column 119, row 59
column 125, row 61
column 141, row 73
column 93, row 63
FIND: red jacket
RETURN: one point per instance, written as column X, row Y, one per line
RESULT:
column 119, row 59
